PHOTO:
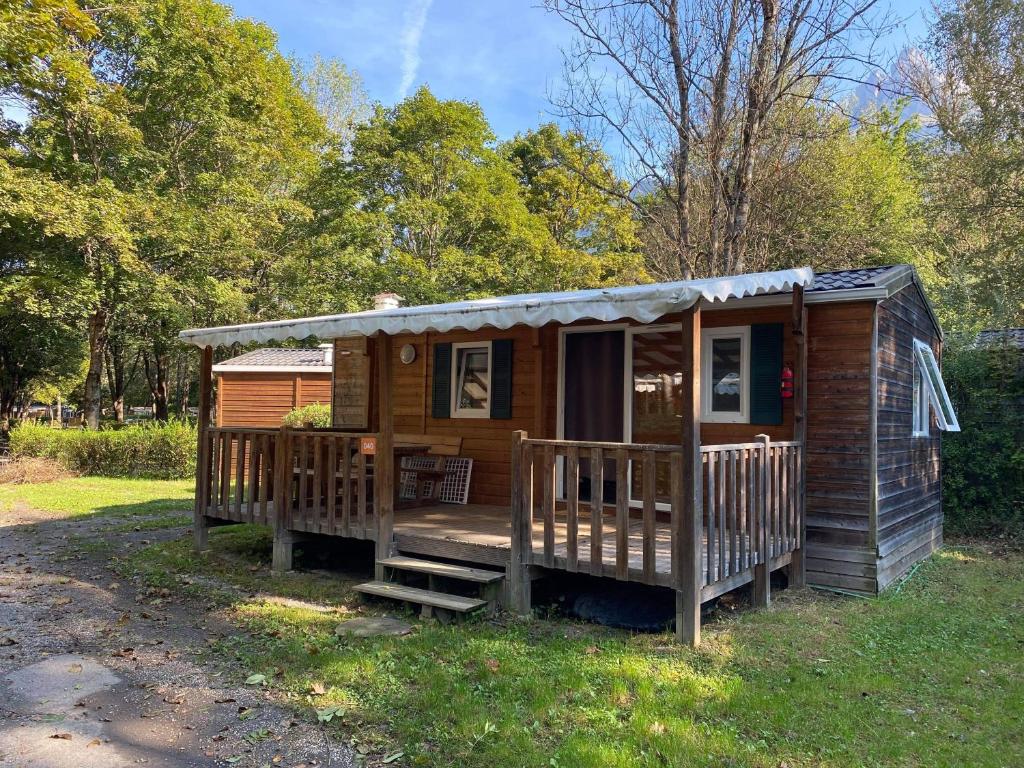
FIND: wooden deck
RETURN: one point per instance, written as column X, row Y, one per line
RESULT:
column 482, row 533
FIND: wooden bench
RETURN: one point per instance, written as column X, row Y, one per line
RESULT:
column 436, row 445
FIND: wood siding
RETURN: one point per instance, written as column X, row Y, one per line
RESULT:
column 909, row 468
column 262, row 399
column 840, row 551
column 535, row 396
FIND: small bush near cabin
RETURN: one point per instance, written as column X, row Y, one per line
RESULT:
column 158, row 451
column 983, row 464
column 312, row 416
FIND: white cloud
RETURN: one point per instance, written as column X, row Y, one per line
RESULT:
column 412, row 31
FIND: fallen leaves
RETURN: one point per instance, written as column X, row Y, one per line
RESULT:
column 256, row 679
column 65, row 736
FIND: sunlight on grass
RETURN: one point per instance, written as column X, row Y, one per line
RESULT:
column 100, row 495
column 928, row 676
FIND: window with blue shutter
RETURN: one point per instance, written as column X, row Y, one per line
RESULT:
column 766, row 343
column 501, row 379
column 441, row 391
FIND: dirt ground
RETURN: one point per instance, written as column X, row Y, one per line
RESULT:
column 101, row 672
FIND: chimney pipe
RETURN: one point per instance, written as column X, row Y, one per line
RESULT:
column 387, row 300
column 328, row 350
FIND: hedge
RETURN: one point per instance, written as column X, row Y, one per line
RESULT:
column 163, row 452
column 983, row 464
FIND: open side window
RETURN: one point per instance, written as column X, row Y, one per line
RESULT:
column 930, row 393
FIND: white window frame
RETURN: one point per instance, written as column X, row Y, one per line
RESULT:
column 470, row 413
column 707, row 338
column 930, row 394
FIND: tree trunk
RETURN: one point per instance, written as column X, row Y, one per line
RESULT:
column 94, row 378
column 156, row 376
column 682, row 160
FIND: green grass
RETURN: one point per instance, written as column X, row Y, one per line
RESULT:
column 100, row 495
column 930, row 675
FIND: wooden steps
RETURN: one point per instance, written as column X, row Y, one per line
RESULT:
column 447, row 570
column 436, row 597
column 426, row 597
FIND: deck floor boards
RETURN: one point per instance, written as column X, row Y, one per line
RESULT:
column 489, row 527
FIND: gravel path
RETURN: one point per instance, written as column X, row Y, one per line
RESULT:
column 96, row 672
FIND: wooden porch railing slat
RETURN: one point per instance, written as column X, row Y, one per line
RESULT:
column 597, row 510
column 548, row 502
column 622, row 514
column 572, row 497
column 650, row 528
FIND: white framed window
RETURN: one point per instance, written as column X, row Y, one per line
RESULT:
column 725, row 374
column 930, row 393
column 471, row 376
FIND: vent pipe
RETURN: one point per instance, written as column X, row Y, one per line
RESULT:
column 328, row 350
column 387, row 300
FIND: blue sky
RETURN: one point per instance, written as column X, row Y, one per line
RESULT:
column 504, row 54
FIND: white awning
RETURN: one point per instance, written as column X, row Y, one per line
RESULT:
column 642, row 303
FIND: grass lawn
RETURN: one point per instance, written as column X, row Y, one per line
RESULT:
column 101, row 495
column 931, row 674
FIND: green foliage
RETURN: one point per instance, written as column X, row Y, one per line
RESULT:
column 165, row 451
column 312, row 416
column 983, row 465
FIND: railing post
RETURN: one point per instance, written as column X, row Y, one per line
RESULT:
column 384, row 459
column 522, row 529
column 283, row 538
column 687, row 489
column 200, row 539
column 798, row 563
column 763, row 568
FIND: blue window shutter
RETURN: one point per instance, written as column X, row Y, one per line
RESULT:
column 501, row 379
column 766, row 373
column 442, row 385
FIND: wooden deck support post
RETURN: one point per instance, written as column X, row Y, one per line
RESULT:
column 283, row 538
column 688, row 522
column 384, row 459
column 798, row 564
column 522, row 531
column 200, row 539
column 763, row 569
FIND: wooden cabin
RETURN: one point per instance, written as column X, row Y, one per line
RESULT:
column 693, row 435
column 258, row 388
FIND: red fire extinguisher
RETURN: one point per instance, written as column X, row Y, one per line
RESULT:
column 787, row 382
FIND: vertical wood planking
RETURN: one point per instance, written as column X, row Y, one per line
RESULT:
column 317, row 504
column 301, row 513
column 731, row 496
column 548, row 502
column 572, row 495
column 215, row 474
column 721, row 460
column 225, row 475
column 362, row 493
column 347, row 486
column 265, row 475
column 743, row 529
column 689, row 531
column 712, row 534
column 251, row 484
column 622, row 514
column 204, row 465
column 650, row 527
column 528, row 504
column 596, row 511
column 332, row 485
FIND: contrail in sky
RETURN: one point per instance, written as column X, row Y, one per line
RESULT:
column 415, row 20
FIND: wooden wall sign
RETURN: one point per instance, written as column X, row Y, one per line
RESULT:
column 351, row 391
column 368, row 446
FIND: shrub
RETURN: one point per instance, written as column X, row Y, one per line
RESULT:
column 312, row 416
column 983, row 464
column 159, row 451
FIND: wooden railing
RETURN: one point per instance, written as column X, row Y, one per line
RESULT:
column 752, row 510
column 238, row 481
column 319, row 478
column 330, row 487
